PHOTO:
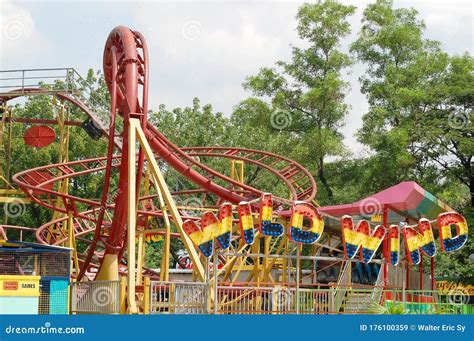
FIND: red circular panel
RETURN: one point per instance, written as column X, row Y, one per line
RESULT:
column 37, row 178
column 39, row 136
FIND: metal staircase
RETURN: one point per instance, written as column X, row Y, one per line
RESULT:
column 343, row 284
column 357, row 301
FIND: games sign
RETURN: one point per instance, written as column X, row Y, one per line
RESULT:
column 306, row 226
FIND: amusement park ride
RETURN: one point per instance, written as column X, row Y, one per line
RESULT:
column 240, row 228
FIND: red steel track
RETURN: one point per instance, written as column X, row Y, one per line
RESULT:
column 126, row 74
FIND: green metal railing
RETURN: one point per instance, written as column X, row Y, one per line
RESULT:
column 398, row 301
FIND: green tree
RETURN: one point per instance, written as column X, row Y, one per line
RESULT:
column 307, row 93
column 418, row 123
column 80, row 147
column 420, row 102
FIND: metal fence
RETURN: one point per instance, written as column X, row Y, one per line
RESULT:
column 316, row 301
column 178, row 298
column 201, row 298
column 98, row 297
column 251, row 300
column 276, row 300
column 30, row 261
column 56, row 80
column 405, row 302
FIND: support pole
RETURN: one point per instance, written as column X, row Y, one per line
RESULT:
column 284, row 269
column 141, row 254
column 216, row 275
column 168, row 199
column 298, row 266
column 266, row 260
column 407, row 265
column 385, row 250
column 165, row 260
column 432, row 274
column 420, row 269
column 146, row 295
column 131, row 219
column 72, row 241
column 407, row 269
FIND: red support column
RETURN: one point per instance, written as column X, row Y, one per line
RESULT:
column 407, row 264
column 385, row 246
column 420, row 269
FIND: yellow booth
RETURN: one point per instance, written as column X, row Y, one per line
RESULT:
column 34, row 278
column 19, row 294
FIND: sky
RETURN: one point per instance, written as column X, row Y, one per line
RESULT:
column 201, row 49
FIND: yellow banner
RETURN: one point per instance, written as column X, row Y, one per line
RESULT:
column 11, row 285
column 450, row 288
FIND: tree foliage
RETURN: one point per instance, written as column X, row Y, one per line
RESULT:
column 420, row 101
column 418, row 125
column 309, row 88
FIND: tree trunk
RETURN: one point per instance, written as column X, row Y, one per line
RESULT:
column 471, row 189
column 323, row 180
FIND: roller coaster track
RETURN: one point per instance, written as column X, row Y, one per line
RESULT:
column 126, row 70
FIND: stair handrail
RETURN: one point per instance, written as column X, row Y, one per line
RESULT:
column 342, row 286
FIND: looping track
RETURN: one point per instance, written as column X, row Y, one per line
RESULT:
column 126, row 73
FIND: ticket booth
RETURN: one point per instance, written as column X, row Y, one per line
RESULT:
column 34, row 278
column 19, row 294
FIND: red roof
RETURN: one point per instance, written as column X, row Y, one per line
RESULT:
column 407, row 199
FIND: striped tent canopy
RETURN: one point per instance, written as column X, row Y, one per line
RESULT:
column 405, row 200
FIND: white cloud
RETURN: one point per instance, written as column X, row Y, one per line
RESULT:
column 19, row 38
column 450, row 22
column 200, row 48
column 208, row 49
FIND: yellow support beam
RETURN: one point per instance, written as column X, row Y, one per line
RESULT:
column 62, row 116
column 12, row 200
column 72, row 241
column 11, row 192
column 168, row 199
column 141, row 256
column 146, row 295
column 131, row 217
column 237, row 171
